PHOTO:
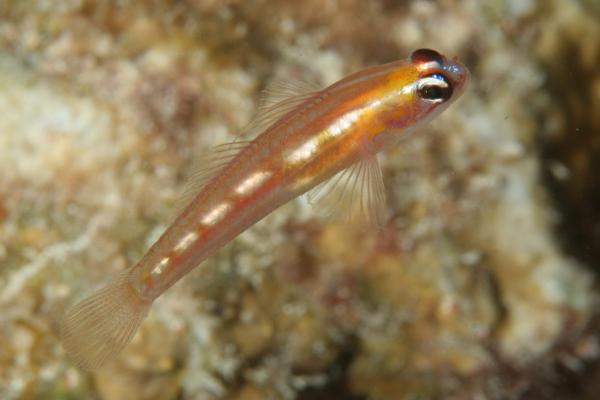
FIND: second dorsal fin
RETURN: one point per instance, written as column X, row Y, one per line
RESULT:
column 278, row 99
column 205, row 169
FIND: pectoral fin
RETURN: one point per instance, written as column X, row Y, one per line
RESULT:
column 354, row 195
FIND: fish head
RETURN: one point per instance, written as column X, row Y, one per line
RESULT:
column 439, row 82
column 413, row 91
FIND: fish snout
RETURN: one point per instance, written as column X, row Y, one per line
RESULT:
column 457, row 73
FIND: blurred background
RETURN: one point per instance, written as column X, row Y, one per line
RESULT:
column 482, row 284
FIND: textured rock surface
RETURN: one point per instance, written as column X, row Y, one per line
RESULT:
column 466, row 293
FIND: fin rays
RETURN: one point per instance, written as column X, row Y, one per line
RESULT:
column 96, row 329
column 356, row 194
column 279, row 99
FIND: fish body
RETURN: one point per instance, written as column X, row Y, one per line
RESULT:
column 307, row 139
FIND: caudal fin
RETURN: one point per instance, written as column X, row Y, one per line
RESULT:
column 96, row 329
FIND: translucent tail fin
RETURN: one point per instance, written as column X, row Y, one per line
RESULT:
column 96, row 329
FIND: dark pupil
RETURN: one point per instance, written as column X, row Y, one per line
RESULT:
column 432, row 92
column 440, row 90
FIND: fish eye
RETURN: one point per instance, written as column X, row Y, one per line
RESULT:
column 435, row 88
column 426, row 56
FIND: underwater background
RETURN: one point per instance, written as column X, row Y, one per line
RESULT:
column 481, row 285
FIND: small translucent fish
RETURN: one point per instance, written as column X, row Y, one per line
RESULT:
column 323, row 142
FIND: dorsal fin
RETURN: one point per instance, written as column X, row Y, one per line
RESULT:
column 277, row 100
column 207, row 168
column 355, row 195
column 283, row 90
